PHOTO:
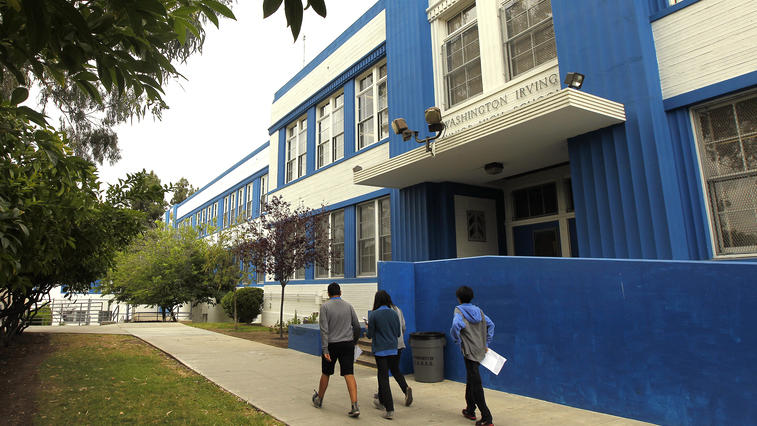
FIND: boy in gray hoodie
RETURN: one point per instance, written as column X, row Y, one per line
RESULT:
column 473, row 331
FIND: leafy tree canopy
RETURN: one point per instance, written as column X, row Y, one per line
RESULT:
column 182, row 190
column 283, row 240
column 141, row 191
column 164, row 267
column 249, row 303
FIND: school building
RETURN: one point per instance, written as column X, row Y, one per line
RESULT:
column 619, row 133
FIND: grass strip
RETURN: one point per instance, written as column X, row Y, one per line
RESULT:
column 109, row 379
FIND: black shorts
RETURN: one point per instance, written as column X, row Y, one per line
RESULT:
column 345, row 353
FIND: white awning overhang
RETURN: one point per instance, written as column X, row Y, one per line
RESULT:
column 524, row 139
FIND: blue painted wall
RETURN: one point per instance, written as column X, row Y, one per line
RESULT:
column 670, row 342
column 409, row 61
column 625, row 178
column 423, row 227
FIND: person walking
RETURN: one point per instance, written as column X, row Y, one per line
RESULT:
column 340, row 331
column 394, row 362
column 473, row 331
column 383, row 330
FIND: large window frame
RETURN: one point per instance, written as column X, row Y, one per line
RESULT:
column 240, row 206
column 225, row 221
column 726, row 139
column 374, row 235
column 335, row 267
column 372, row 106
column 528, row 34
column 263, row 192
column 461, row 57
column 232, row 207
column 296, row 149
column 330, row 132
column 248, row 208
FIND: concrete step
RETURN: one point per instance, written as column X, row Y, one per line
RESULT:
column 366, row 358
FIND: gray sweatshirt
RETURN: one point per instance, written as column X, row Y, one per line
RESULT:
column 338, row 322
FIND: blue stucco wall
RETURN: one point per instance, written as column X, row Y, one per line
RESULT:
column 305, row 338
column 669, row 342
column 626, row 179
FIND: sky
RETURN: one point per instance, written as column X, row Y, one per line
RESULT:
column 222, row 111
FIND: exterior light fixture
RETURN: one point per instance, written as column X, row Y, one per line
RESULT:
column 433, row 117
column 357, row 169
column 494, row 168
column 574, row 80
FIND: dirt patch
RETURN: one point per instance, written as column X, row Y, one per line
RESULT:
column 265, row 337
column 19, row 364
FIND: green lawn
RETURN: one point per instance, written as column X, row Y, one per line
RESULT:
column 107, row 379
column 226, row 326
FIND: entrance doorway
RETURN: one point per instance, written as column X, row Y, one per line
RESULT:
column 539, row 215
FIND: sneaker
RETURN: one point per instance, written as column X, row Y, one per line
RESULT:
column 355, row 411
column 377, row 404
column 408, row 397
column 484, row 423
column 388, row 415
column 470, row 415
column 316, row 400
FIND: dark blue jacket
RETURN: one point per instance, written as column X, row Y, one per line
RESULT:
column 383, row 329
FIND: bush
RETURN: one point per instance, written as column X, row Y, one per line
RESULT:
column 249, row 303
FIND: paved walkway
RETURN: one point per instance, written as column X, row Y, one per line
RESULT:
column 281, row 382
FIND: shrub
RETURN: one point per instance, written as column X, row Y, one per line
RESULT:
column 249, row 303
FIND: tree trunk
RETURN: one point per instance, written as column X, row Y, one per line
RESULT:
column 281, row 314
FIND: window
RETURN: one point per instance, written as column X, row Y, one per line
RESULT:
column 370, row 216
column 248, row 209
column 529, row 34
column 727, row 139
column 225, row 212
column 232, row 203
column 263, row 192
column 540, row 200
column 296, row 149
column 215, row 214
column 330, row 131
column 462, row 65
column 372, row 107
column 336, row 248
column 240, row 206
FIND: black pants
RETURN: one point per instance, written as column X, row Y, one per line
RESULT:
column 474, row 391
column 394, row 367
column 385, row 393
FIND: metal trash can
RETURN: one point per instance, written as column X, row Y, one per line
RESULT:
column 428, row 356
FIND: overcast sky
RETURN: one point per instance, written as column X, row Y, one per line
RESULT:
column 223, row 110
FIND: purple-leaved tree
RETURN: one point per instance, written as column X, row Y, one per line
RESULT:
column 281, row 241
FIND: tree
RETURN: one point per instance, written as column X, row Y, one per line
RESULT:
column 182, row 190
column 163, row 267
column 224, row 268
column 53, row 227
column 283, row 240
column 246, row 303
column 141, row 191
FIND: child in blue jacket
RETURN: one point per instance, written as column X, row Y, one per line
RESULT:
column 473, row 331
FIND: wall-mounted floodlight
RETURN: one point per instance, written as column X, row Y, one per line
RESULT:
column 433, row 117
column 574, row 80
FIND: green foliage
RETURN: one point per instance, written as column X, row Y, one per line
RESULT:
column 53, row 227
column 141, row 191
column 249, row 303
column 101, row 62
column 312, row 319
column 293, row 10
column 182, row 190
column 163, row 267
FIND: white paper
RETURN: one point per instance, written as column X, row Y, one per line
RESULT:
column 493, row 361
column 358, row 351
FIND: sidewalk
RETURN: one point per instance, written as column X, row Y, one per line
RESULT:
column 281, row 382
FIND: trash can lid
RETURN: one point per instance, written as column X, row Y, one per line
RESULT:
column 427, row 335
